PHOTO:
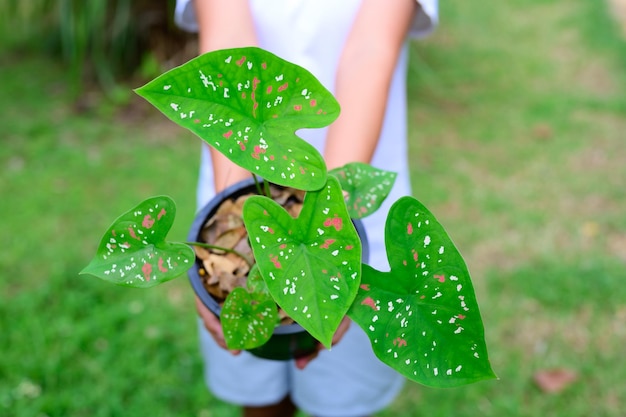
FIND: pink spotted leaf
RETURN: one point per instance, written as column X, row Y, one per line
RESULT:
column 133, row 252
column 255, row 282
column 311, row 264
column 366, row 187
column 247, row 103
column 422, row 317
column 248, row 319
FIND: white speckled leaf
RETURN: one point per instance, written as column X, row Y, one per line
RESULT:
column 312, row 264
column 422, row 317
column 255, row 282
column 248, row 319
column 133, row 251
column 367, row 187
column 247, row 103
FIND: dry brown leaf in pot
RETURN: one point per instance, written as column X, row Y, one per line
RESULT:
column 238, row 210
column 241, row 267
column 284, row 318
column 220, row 226
column 222, row 263
column 243, row 247
column 230, row 238
column 216, row 291
column 228, row 282
column 280, row 195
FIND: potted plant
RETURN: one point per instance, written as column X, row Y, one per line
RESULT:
column 422, row 316
column 226, row 267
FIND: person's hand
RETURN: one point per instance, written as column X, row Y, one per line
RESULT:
column 213, row 325
column 302, row 362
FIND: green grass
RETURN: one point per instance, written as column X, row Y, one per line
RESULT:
column 518, row 122
column 73, row 345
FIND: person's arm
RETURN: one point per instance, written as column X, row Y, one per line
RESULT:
column 364, row 75
column 224, row 24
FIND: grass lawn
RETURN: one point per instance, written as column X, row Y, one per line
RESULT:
column 518, row 126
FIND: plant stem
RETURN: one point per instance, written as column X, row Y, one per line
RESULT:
column 268, row 192
column 209, row 246
column 266, row 187
column 259, row 190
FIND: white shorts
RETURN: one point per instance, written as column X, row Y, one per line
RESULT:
column 347, row 381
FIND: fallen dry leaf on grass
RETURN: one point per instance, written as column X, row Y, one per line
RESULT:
column 554, row 380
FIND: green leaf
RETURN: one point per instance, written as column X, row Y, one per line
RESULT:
column 247, row 103
column 366, row 186
column 248, row 319
column 312, row 264
column 255, row 282
column 422, row 317
column 133, row 251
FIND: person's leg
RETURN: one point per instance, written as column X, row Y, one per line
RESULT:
column 243, row 380
column 347, row 381
column 284, row 408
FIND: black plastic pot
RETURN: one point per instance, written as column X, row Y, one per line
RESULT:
column 288, row 341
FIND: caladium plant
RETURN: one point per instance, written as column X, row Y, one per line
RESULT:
column 422, row 316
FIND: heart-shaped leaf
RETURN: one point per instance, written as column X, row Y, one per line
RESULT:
column 248, row 319
column 366, row 186
column 255, row 282
column 133, row 251
column 422, row 317
column 311, row 264
column 247, row 103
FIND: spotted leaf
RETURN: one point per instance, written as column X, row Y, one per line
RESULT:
column 366, row 187
column 255, row 282
column 133, row 251
column 311, row 264
column 422, row 317
column 247, row 103
column 248, row 319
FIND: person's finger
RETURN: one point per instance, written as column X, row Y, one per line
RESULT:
column 213, row 325
column 303, row 361
column 341, row 330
